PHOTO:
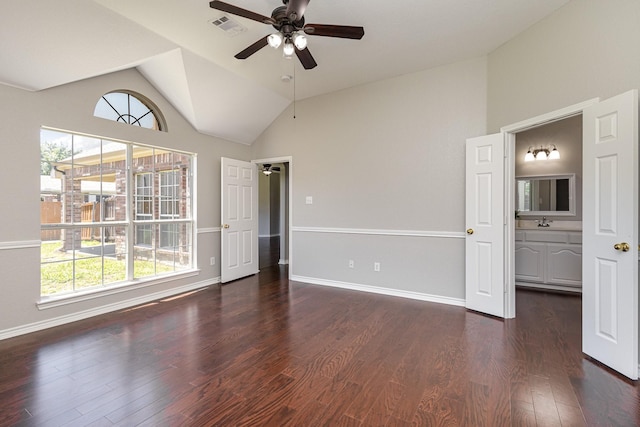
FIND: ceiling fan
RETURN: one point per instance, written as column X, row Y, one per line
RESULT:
column 268, row 169
column 289, row 22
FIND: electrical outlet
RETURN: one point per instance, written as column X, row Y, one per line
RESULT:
column 212, row 261
column 351, row 263
column 376, row 266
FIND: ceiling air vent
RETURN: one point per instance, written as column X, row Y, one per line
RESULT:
column 229, row 26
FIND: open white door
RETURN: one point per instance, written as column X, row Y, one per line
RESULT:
column 239, row 203
column 610, row 230
column 485, row 217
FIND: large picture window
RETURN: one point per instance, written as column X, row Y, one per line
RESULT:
column 111, row 212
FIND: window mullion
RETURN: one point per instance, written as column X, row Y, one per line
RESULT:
column 130, row 229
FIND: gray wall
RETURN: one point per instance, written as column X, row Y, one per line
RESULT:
column 586, row 49
column 384, row 164
column 70, row 107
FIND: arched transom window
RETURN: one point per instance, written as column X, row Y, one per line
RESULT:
column 130, row 108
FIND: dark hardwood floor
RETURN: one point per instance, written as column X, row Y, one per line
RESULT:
column 264, row 351
column 269, row 250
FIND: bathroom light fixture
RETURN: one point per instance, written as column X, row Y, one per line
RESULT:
column 542, row 153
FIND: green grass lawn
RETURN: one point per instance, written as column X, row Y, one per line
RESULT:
column 57, row 269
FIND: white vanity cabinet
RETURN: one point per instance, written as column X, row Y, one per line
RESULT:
column 549, row 259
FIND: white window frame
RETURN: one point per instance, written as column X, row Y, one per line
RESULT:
column 131, row 222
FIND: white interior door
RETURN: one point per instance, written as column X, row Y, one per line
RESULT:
column 485, row 219
column 239, row 235
column 610, row 230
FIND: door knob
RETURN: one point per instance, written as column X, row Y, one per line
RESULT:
column 469, row 230
column 225, row 225
column 624, row 247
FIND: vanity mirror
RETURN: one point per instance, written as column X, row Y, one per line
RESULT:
column 552, row 195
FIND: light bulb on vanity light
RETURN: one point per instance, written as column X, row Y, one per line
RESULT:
column 555, row 154
column 529, row 157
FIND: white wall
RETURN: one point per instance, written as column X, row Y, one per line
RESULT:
column 264, row 208
column 587, row 49
column 386, row 157
column 70, row 107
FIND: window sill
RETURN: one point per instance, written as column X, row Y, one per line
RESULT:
column 58, row 301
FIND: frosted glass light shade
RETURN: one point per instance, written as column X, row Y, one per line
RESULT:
column 555, row 154
column 529, row 157
column 542, row 155
column 274, row 40
column 300, row 40
column 288, row 49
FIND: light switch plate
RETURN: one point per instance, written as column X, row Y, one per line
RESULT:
column 309, row 200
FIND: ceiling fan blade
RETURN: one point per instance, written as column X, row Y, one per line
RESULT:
column 306, row 59
column 342, row 31
column 252, row 49
column 235, row 10
column 296, row 8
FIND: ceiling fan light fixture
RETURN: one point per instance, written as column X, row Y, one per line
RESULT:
column 300, row 40
column 288, row 49
column 274, row 40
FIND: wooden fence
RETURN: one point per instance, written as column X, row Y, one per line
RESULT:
column 50, row 213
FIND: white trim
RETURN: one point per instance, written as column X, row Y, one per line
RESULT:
column 380, row 290
column 21, row 244
column 553, row 116
column 269, row 235
column 381, row 232
column 74, row 317
column 283, row 262
column 57, row 301
column 510, row 179
column 549, row 287
column 209, row 230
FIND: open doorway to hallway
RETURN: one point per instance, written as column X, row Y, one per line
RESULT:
column 273, row 213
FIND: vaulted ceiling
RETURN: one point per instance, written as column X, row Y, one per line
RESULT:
column 174, row 44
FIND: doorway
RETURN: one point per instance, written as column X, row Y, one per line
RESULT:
column 511, row 133
column 609, row 231
column 548, row 206
column 274, row 211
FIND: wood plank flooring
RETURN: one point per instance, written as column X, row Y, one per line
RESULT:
column 268, row 352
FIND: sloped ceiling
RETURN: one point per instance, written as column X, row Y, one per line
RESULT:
column 174, row 45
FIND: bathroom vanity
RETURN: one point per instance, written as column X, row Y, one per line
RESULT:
column 549, row 258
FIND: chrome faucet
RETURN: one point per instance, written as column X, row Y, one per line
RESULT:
column 544, row 222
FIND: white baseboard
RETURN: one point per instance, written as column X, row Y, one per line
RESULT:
column 380, row 290
column 549, row 287
column 61, row 320
column 283, row 261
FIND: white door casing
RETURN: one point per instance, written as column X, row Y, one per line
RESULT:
column 610, row 217
column 239, row 214
column 484, row 216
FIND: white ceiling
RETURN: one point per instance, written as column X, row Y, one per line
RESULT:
column 173, row 44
